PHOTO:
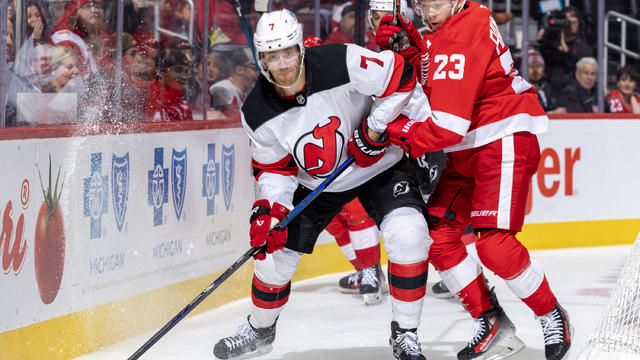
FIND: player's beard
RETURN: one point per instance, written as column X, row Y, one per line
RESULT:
column 286, row 76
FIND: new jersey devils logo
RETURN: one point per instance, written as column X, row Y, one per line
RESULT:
column 319, row 150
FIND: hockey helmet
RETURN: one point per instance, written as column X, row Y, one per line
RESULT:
column 387, row 5
column 456, row 7
column 277, row 30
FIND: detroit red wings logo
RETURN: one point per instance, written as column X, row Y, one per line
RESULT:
column 319, row 150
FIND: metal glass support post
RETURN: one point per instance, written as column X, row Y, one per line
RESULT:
column 601, row 58
column 524, row 53
column 205, row 57
column 3, row 63
column 119, row 27
column 360, row 11
column 316, row 18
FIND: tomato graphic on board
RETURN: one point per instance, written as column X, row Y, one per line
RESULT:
column 49, row 242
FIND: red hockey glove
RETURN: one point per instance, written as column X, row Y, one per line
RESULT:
column 416, row 52
column 262, row 216
column 401, row 133
column 388, row 32
column 365, row 151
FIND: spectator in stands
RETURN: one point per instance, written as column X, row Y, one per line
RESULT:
column 82, row 28
column 11, row 11
column 561, row 48
column 55, row 10
column 215, row 72
column 538, row 79
column 229, row 94
column 14, row 83
column 176, row 71
column 9, row 40
column 579, row 96
column 624, row 99
column 226, row 19
column 65, row 68
column 36, row 31
column 36, row 34
column 345, row 32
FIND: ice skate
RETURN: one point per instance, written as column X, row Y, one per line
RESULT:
column 404, row 343
column 350, row 284
column 494, row 336
column 372, row 284
column 557, row 333
column 441, row 291
column 247, row 342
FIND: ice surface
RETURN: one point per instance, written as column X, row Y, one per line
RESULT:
column 319, row 323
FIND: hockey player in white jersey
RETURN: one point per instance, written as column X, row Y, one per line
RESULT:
column 308, row 112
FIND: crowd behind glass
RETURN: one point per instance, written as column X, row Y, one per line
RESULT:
column 62, row 63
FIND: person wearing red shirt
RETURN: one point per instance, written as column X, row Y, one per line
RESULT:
column 486, row 117
column 624, row 99
column 345, row 32
column 83, row 29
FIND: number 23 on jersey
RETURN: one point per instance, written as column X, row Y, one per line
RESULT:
column 449, row 66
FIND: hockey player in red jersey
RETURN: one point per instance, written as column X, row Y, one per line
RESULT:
column 309, row 110
column 486, row 117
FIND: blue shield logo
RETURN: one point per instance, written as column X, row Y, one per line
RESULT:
column 158, row 185
column 95, row 195
column 228, row 164
column 210, row 178
column 120, row 187
column 178, row 179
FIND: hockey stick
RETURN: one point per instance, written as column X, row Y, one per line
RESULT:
column 396, row 12
column 246, row 256
column 245, row 30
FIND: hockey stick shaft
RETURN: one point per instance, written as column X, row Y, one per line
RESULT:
column 396, row 13
column 236, row 265
column 245, row 30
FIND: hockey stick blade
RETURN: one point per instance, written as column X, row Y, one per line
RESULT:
column 236, row 265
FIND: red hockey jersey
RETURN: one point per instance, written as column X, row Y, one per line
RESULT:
column 475, row 93
column 617, row 104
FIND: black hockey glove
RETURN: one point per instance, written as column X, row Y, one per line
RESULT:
column 365, row 151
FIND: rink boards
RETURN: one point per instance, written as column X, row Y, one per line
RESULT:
column 152, row 215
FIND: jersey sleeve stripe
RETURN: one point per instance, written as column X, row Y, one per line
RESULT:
column 451, row 122
column 286, row 166
column 402, row 78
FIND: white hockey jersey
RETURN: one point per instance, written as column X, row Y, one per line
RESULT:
column 303, row 138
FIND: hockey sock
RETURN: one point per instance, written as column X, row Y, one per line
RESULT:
column 407, row 283
column 502, row 253
column 542, row 300
column 338, row 228
column 268, row 302
column 366, row 243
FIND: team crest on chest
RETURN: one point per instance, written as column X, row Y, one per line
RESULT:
column 318, row 151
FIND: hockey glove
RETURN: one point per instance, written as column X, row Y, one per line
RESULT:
column 414, row 48
column 365, row 151
column 401, row 133
column 262, row 218
column 388, row 32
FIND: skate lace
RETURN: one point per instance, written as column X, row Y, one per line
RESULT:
column 369, row 277
column 478, row 331
column 353, row 278
column 552, row 327
column 244, row 335
column 408, row 342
